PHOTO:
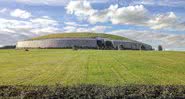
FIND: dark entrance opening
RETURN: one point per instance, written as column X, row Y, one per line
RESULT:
column 143, row 47
column 121, row 47
column 109, row 45
column 100, row 44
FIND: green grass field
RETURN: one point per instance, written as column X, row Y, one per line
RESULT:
column 105, row 67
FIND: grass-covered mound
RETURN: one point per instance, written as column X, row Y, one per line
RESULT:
column 80, row 35
column 93, row 92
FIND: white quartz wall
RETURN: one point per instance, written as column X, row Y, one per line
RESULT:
column 57, row 43
column 131, row 44
column 81, row 42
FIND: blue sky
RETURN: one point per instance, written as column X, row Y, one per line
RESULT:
column 156, row 22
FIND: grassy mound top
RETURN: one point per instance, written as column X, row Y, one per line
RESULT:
column 80, row 35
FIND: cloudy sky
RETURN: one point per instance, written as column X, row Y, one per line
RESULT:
column 156, row 22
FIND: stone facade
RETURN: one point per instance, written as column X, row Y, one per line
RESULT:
column 81, row 42
column 58, row 43
column 126, row 44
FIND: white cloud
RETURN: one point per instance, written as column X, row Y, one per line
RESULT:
column 46, row 30
column 12, row 31
column 44, row 22
column 125, row 15
column 97, row 1
column 85, row 11
column 75, row 24
column 44, row 25
column 97, row 29
column 3, row 10
column 168, row 20
column 21, row 13
column 99, row 16
column 171, row 3
column 162, row 21
column 167, row 40
column 9, row 39
column 100, row 28
column 80, row 8
column 6, row 30
column 55, row 2
column 69, row 29
column 74, row 27
column 13, row 24
column 43, row 2
column 136, row 15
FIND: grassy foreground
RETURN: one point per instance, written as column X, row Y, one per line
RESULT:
column 102, row 67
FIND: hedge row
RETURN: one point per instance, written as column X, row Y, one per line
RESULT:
column 94, row 92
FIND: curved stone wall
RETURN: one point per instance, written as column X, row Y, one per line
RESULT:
column 58, row 43
column 131, row 45
column 81, row 42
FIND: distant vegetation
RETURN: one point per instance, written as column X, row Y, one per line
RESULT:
column 93, row 92
column 8, row 47
column 81, row 35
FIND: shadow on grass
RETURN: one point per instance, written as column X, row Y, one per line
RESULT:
column 94, row 92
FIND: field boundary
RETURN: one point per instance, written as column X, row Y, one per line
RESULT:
column 94, row 91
